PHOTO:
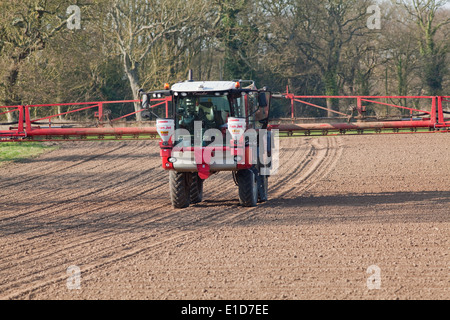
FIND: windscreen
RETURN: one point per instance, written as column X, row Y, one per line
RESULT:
column 212, row 110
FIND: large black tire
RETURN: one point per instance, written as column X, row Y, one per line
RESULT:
column 179, row 183
column 248, row 188
column 196, row 192
column 264, row 189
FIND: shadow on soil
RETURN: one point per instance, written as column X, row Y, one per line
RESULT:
column 361, row 200
column 395, row 207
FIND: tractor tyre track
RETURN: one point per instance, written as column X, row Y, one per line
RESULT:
column 128, row 223
column 50, row 254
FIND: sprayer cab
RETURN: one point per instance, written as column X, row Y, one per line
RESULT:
column 213, row 102
column 206, row 130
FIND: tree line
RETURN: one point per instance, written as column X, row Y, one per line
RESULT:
column 109, row 49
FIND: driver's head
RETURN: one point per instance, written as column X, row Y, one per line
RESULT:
column 189, row 104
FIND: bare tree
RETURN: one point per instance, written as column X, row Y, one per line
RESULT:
column 139, row 26
column 342, row 21
column 312, row 36
column 25, row 28
column 399, row 54
column 434, row 53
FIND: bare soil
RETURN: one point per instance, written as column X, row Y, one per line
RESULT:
column 339, row 206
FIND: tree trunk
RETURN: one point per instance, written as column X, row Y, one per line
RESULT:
column 10, row 98
column 331, row 89
column 133, row 79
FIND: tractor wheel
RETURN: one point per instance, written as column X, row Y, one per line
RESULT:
column 179, row 183
column 248, row 188
column 263, row 194
column 196, row 193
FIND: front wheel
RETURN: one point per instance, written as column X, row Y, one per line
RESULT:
column 248, row 188
column 179, row 185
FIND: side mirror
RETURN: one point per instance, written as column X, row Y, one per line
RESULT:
column 262, row 100
column 144, row 101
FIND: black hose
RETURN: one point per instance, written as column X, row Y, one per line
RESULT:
column 9, row 123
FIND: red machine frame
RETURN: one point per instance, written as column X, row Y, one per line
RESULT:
column 28, row 130
column 435, row 122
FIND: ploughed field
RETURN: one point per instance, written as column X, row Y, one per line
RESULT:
column 349, row 217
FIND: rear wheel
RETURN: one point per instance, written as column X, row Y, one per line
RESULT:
column 179, row 183
column 248, row 188
column 196, row 192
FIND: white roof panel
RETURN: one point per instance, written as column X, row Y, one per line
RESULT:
column 194, row 86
